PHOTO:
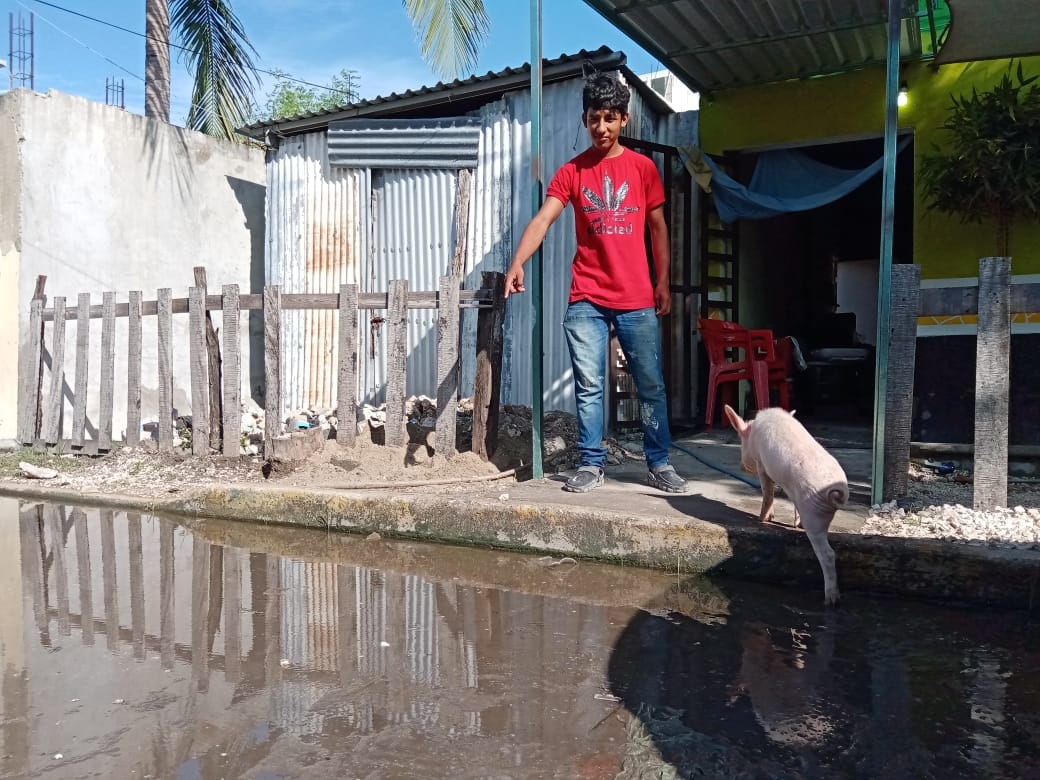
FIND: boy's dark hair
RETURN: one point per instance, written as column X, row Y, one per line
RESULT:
column 603, row 91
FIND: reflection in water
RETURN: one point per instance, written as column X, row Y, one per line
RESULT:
column 132, row 646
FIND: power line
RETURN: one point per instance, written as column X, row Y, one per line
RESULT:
column 348, row 93
column 81, row 43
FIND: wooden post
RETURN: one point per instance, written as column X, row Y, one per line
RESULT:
column 488, row 379
column 79, row 402
column 396, row 362
column 164, row 325
column 29, row 395
column 108, row 577
column 899, row 394
column 55, row 391
column 135, row 539
column 198, row 356
column 462, row 197
column 108, row 370
column 346, row 375
column 272, row 365
column 447, row 365
column 991, row 383
column 231, row 378
column 216, row 418
column 133, row 370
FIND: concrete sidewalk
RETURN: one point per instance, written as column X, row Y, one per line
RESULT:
column 713, row 529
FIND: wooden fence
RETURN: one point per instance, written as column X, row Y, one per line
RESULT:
column 216, row 369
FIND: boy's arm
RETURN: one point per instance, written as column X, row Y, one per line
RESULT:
column 662, row 252
column 530, row 240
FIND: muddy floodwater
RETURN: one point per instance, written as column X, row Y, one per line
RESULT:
column 132, row 647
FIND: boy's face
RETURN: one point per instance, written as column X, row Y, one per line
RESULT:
column 604, row 126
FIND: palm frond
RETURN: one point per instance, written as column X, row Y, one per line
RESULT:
column 451, row 32
column 221, row 57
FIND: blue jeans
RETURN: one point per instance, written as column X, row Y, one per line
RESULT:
column 587, row 326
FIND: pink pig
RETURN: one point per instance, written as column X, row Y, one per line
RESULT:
column 778, row 448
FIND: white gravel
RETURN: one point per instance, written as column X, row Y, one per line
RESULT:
column 940, row 508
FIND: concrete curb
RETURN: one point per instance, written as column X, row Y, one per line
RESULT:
column 918, row 568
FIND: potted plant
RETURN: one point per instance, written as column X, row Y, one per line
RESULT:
column 989, row 169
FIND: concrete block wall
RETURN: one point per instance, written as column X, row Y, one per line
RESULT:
column 99, row 199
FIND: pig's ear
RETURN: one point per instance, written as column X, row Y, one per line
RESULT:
column 735, row 419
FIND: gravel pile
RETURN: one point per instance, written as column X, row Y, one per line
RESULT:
column 939, row 507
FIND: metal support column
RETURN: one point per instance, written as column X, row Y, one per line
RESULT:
column 888, row 206
column 536, row 260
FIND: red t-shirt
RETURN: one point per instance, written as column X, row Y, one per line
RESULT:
column 611, row 197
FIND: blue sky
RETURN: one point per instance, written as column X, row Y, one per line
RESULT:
column 311, row 39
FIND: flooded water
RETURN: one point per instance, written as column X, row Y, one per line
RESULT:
column 135, row 647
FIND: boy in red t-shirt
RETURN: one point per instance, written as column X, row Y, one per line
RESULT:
column 615, row 192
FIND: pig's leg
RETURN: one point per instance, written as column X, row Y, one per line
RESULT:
column 816, row 525
column 768, row 487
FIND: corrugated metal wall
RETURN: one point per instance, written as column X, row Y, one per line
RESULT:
column 328, row 225
column 315, row 243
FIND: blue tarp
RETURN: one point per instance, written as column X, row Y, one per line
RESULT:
column 784, row 180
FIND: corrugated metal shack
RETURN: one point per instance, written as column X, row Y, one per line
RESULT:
column 366, row 193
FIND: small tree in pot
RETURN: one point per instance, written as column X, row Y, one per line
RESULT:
column 990, row 169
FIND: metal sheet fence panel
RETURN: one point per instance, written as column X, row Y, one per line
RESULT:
column 412, row 218
column 314, row 244
column 449, row 143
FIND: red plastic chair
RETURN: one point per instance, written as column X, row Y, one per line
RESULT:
column 736, row 353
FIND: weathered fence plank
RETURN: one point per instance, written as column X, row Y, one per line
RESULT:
column 59, row 567
column 902, row 351
column 272, row 365
column 79, row 401
column 488, row 380
column 86, row 581
column 135, row 541
column 992, row 383
column 29, row 385
column 231, row 378
column 108, row 577
column 424, row 299
column 108, row 371
column 447, row 366
column 55, row 391
column 216, row 420
column 132, row 437
column 164, row 325
column 396, row 363
column 346, row 375
column 198, row 359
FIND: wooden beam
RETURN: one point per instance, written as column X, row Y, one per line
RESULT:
column 346, row 372
column 216, row 401
column 447, row 366
column 198, row 360
column 51, row 430
column 133, row 371
column 231, row 379
column 164, row 326
column 396, row 363
column 30, row 398
column 108, row 371
column 488, row 380
column 272, row 365
column 79, row 400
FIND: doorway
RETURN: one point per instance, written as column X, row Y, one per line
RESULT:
column 813, row 275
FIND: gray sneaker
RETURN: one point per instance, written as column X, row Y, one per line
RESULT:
column 585, row 479
column 665, row 478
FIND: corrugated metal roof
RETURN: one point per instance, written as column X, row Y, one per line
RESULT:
column 477, row 90
column 405, row 143
column 713, row 45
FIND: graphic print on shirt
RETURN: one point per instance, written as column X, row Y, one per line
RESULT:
column 608, row 215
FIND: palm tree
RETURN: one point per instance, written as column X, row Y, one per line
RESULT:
column 217, row 49
column 451, row 31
